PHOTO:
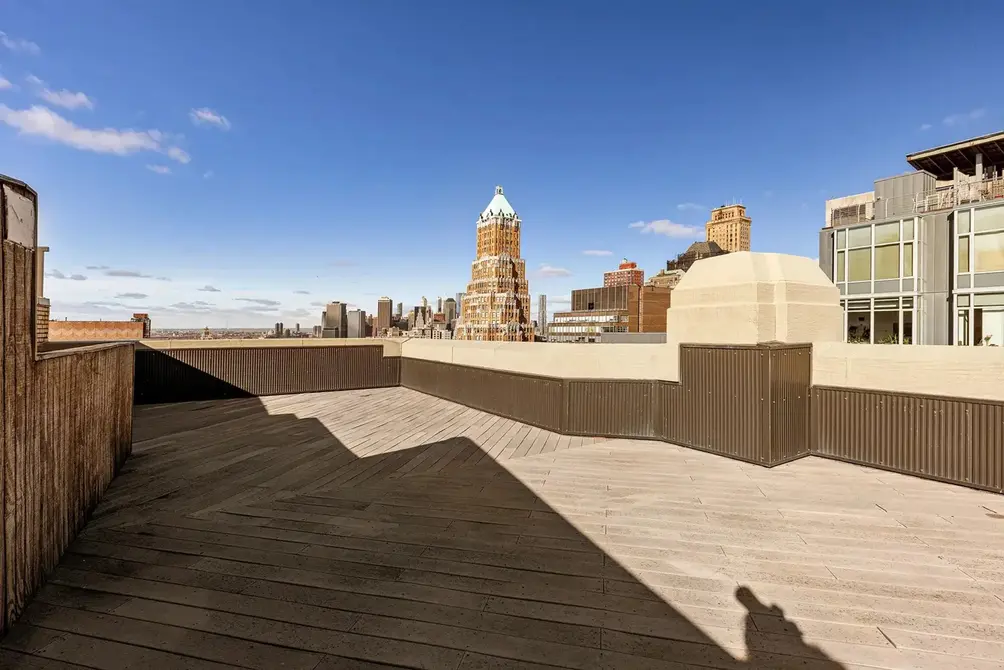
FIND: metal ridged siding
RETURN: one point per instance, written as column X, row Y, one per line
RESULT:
column 949, row 439
column 722, row 407
column 527, row 398
column 178, row 375
column 790, row 405
column 613, row 408
column 750, row 403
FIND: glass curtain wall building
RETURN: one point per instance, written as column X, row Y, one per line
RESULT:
column 920, row 260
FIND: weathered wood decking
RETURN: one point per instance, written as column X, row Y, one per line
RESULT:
column 387, row 528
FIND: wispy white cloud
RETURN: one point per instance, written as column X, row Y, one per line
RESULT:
column 43, row 122
column 597, row 252
column 63, row 98
column 178, row 154
column 131, row 296
column 691, row 206
column 67, row 99
column 665, row 227
column 209, row 289
column 208, row 174
column 5, row 83
column 208, row 117
column 546, row 270
column 159, row 169
column 56, row 274
column 19, row 44
column 925, row 126
column 964, row 117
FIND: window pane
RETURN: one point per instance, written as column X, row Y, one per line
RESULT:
column 841, row 239
column 908, row 259
column 963, row 301
column 989, row 256
column 963, row 254
column 887, row 232
column 859, row 237
column 962, row 221
column 859, row 265
column 840, row 265
column 886, row 261
column 962, row 327
column 988, row 300
column 886, row 324
column 908, row 229
column 989, row 219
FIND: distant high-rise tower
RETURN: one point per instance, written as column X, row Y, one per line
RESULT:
column 335, row 321
column 626, row 273
column 449, row 311
column 439, row 305
column 542, row 315
column 384, row 306
column 356, row 323
column 497, row 303
column 400, row 311
column 729, row 228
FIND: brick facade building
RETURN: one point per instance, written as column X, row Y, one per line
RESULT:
column 496, row 306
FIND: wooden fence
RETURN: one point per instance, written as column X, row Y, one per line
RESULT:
column 65, row 431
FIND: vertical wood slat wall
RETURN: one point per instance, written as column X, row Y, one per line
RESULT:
column 66, row 429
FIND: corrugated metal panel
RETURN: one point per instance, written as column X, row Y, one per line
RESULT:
column 949, row 439
column 612, row 408
column 176, row 375
column 531, row 399
column 729, row 402
column 723, row 405
column 789, row 380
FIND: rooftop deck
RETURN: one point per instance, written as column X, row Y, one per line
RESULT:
column 387, row 528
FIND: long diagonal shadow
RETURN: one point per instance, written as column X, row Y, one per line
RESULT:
column 254, row 539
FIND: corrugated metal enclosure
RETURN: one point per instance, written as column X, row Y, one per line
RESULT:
column 528, row 398
column 950, row 439
column 750, row 403
column 211, row 373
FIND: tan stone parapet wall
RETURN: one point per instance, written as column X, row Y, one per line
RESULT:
column 567, row 361
column 961, row 372
column 391, row 347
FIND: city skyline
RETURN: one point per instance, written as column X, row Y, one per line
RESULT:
column 145, row 163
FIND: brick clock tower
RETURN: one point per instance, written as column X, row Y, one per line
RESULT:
column 496, row 307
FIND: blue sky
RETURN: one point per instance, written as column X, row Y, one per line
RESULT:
column 240, row 162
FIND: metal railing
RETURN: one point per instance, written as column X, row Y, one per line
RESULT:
column 944, row 198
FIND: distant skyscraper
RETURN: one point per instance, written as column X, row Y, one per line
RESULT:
column 497, row 304
column 400, row 311
column 729, row 228
column 356, row 322
column 335, row 320
column 542, row 315
column 450, row 311
column 384, row 307
column 439, row 305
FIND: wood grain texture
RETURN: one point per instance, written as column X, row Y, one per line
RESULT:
column 66, row 428
column 387, row 528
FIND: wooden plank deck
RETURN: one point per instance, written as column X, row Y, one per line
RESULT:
column 386, row 528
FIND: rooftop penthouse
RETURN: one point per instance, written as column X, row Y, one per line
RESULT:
column 752, row 493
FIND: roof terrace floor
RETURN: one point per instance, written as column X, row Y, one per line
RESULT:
column 387, row 528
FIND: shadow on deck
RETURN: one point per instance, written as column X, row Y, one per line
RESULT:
column 239, row 537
